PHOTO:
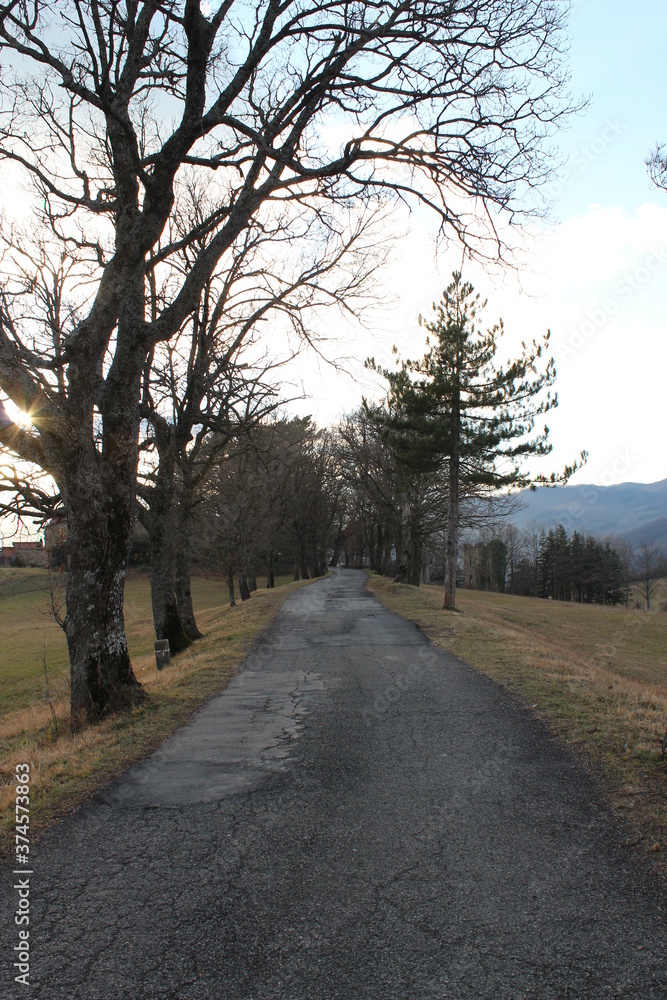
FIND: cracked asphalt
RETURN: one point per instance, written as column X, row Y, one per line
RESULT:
column 358, row 815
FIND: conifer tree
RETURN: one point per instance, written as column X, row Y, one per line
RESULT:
column 456, row 406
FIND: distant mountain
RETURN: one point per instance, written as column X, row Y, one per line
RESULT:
column 628, row 510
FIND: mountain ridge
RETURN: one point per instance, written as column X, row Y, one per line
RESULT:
column 625, row 510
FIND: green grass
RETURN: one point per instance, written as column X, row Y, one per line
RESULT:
column 596, row 676
column 67, row 766
column 30, row 634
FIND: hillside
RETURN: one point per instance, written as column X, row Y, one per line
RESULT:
column 627, row 510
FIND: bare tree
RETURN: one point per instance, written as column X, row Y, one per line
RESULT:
column 532, row 536
column 515, row 550
column 303, row 103
column 374, row 485
column 274, row 488
column 626, row 557
column 207, row 385
column 649, row 558
column 657, row 167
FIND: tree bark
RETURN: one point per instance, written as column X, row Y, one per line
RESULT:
column 378, row 548
column 414, row 576
column 386, row 558
column 98, row 485
column 183, row 589
column 270, row 578
column 303, row 569
column 98, row 490
column 182, row 585
column 161, row 524
column 244, row 590
column 406, row 570
column 230, row 588
column 166, row 618
column 452, row 539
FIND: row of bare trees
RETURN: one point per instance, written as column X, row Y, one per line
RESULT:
column 273, row 500
column 303, row 122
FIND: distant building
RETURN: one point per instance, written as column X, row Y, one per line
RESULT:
column 55, row 539
column 485, row 565
column 26, row 553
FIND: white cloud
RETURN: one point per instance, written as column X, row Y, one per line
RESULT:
column 597, row 281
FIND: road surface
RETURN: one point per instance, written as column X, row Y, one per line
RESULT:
column 358, row 815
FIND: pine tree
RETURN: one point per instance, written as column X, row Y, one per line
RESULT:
column 457, row 407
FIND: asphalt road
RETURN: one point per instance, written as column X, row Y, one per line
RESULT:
column 358, row 815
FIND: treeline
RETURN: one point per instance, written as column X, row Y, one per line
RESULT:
column 554, row 564
column 277, row 495
column 581, row 568
column 270, row 503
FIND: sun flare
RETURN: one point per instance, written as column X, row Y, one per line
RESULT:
column 20, row 418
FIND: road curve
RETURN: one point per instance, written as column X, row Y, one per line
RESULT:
column 358, row 815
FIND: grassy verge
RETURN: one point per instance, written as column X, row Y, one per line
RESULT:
column 597, row 676
column 68, row 767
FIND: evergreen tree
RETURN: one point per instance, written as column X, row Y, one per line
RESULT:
column 580, row 569
column 457, row 407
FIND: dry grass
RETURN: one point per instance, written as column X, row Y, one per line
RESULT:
column 68, row 767
column 597, row 676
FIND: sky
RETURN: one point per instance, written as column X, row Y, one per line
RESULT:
column 596, row 276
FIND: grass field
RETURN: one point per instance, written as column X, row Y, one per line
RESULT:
column 30, row 634
column 597, row 676
column 66, row 767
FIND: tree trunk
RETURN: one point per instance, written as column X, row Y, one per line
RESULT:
column 166, row 618
column 403, row 569
column 244, row 590
column 303, row 569
column 270, row 579
column 183, row 588
column 386, row 558
column 338, row 545
column 160, row 523
column 230, row 587
column 414, row 576
column 370, row 541
column 98, row 492
column 318, row 564
column 379, row 546
column 182, row 585
column 452, row 539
